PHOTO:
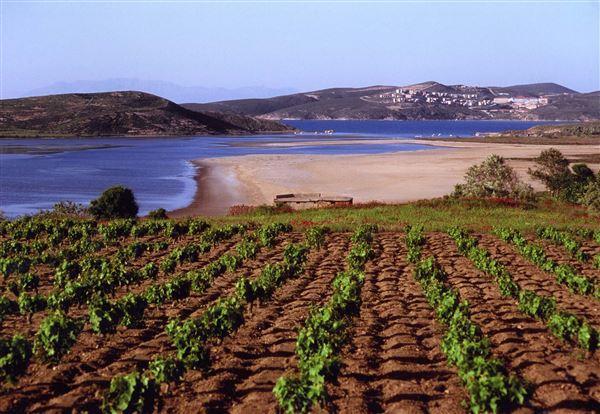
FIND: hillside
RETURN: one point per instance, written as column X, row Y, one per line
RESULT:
column 118, row 113
column 585, row 129
column 582, row 133
column 583, row 106
column 427, row 100
column 534, row 89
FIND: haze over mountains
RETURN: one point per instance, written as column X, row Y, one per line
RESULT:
column 168, row 90
column 427, row 100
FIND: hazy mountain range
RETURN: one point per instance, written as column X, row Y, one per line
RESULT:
column 138, row 113
column 169, row 90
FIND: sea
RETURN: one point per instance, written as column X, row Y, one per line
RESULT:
column 38, row 172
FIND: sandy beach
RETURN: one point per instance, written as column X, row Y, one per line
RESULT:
column 392, row 177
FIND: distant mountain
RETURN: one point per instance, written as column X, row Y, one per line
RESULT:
column 118, row 114
column 172, row 91
column 427, row 100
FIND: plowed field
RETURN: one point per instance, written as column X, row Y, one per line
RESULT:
column 390, row 360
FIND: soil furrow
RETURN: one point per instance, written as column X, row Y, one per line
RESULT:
column 558, row 379
column 561, row 256
column 394, row 363
column 87, row 390
column 247, row 364
column 15, row 323
column 47, row 387
column 529, row 276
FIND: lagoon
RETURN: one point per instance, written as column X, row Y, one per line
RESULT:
column 36, row 173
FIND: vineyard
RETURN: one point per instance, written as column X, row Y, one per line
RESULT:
column 194, row 316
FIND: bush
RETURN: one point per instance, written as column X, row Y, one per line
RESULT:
column 115, row 202
column 591, row 195
column 583, row 173
column 15, row 354
column 158, row 214
column 493, row 178
column 68, row 208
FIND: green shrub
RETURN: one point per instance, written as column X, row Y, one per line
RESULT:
column 587, row 337
column 166, row 369
column 131, row 308
column 583, row 173
column 115, row 202
column 158, row 214
column 187, row 338
column 131, row 393
column 591, row 195
column 31, row 303
column 56, row 335
column 564, row 325
column 293, row 394
column 247, row 248
column 104, row 316
column 15, row 354
column 7, row 306
column 493, row 178
column 315, row 236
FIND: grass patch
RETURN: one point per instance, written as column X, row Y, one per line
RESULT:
column 435, row 215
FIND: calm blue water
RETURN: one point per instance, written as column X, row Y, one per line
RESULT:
column 411, row 129
column 36, row 173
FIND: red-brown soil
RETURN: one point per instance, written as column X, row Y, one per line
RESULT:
column 560, row 255
column 392, row 362
column 84, row 367
column 559, row 379
column 529, row 276
column 248, row 364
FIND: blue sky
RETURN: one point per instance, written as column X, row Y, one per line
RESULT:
column 301, row 45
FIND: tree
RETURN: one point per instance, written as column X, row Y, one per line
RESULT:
column 493, row 178
column 115, row 202
column 552, row 169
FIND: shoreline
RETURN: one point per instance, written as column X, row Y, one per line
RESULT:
column 395, row 177
column 217, row 189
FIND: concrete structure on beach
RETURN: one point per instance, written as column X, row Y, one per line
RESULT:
column 303, row 201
